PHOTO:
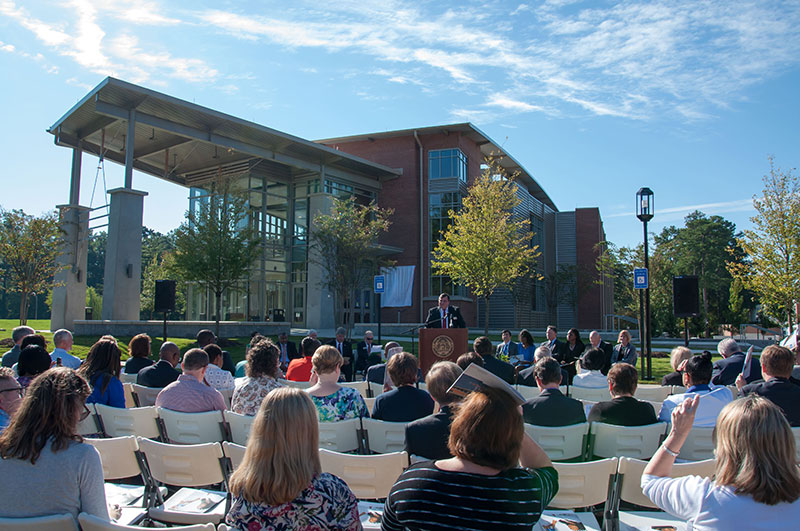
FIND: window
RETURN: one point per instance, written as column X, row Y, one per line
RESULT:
column 439, row 205
column 447, row 163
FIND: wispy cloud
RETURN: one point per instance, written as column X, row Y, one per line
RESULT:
column 679, row 212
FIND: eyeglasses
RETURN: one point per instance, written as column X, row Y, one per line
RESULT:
column 18, row 390
column 85, row 413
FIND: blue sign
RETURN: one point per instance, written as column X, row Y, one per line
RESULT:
column 640, row 278
column 380, row 284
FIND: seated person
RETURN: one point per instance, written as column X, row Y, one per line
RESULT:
column 406, row 402
column 139, row 354
column 498, row 367
column 551, row 407
column 696, row 376
column 190, row 393
column 507, row 348
column 727, row 369
column 10, row 396
column 102, row 369
column 216, row 377
column 527, row 376
column 11, row 357
column 261, row 369
column 776, row 367
column 300, row 369
column 676, row 358
column 62, row 340
column 591, row 375
column 33, row 361
column 333, row 401
column 163, row 372
column 468, row 358
column 623, row 409
column 377, row 373
column 427, row 437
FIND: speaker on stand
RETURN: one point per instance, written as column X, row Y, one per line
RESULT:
column 164, row 300
column 685, row 300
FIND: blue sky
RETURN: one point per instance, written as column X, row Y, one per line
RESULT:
column 595, row 99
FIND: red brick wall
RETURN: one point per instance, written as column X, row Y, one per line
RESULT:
column 588, row 232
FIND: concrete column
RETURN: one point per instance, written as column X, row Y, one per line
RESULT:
column 129, row 149
column 319, row 301
column 69, row 290
column 75, row 178
column 123, row 271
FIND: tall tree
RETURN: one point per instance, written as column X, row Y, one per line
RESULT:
column 772, row 267
column 343, row 244
column 216, row 245
column 29, row 246
column 485, row 247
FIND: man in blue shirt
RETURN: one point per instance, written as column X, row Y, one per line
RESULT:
column 10, row 396
column 62, row 339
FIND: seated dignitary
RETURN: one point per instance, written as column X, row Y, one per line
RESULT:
column 300, row 369
column 527, row 376
column 596, row 341
column 624, row 351
column 551, row 407
column 216, row 377
column 139, row 352
column 776, row 367
column 727, row 369
column 333, row 401
column 406, row 402
column 262, row 371
column 287, row 350
column 190, row 393
column 17, row 334
column 499, row 368
column 525, row 348
column 696, row 376
column 365, row 358
column 676, row 358
column 62, row 341
column 623, row 409
column 427, row 437
column 507, row 348
column 591, row 375
column 345, row 348
column 10, row 396
column 163, row 372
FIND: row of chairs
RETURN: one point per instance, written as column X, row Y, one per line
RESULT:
column 646, row 392
column 141, row 396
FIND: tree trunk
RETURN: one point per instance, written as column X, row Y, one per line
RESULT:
column 486, row 316
column 23, row 308
column 218, row 304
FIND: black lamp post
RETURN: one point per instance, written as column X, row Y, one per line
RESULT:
column 644, row 211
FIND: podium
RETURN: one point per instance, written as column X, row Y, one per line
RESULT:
column 441, row 344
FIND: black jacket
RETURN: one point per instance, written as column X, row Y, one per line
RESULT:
column 434, row 319
column 526, row 377
column 160, row 374
column 499, row 368
column 347, row 354
column 552, row 408
column 782, row 393
column 403, row 404
column 726, row 370
column 623, row 411
column 427, row 437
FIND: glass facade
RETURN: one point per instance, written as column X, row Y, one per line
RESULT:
column 439, row 206
column 447, row 163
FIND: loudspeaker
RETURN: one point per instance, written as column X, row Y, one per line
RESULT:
column 685, row 296
column 165, row 296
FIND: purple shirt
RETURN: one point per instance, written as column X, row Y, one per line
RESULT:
column 187, row 395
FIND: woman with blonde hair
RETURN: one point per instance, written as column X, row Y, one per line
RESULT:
column 757, row 482
column 676, row 358
column 279, row 485
column 624, row 351
column 45, row 466
column 333, row 401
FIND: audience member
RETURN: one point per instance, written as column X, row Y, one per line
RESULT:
column 527, row 377
column 17, row 334
column 189, row 393
column 163, row 372
column 597, row 342
column 498, row 472
column 526, row 348
column 33, row 339
column 62, row 341
column 216, row 377
column 102, row 369
column 624, row 351
column 468, row 358
column 696, row 376
column 300, row 369
column 623, row 409
column 727, row 369
column 206, row 337
column 756, row 484
column 313, row 334
column 255, row 337
column 676, row 358
column 365, row 358
column 591, row 375
column 345, row 348
column 333, row 402
column 33, row 361
column 287, row 351
column 377, row 373
column 427, row 437
column 138, row 354
column 551, row 407
column 10, row 396
column 776, row 366
column 280, row 484
column 499, row 368
column 262, row 371
column 572, row 352
column 507, row 348
column 45, row 466
column 406, row 402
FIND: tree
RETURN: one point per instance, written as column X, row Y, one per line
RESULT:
column 772, row 267
column 160, row 267
column 485, row 247
column 344, row 246
column 28, row 247
column 216, row 245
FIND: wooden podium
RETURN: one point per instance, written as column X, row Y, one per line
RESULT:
column 441, row 344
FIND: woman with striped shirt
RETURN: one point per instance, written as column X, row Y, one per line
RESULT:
column 482, row 487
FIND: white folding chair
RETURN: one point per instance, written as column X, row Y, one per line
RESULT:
column 699, row 445
column 88, row 426
column 361, row 387
column 679, row 390
column 234, row 453
column 384, row 437
column 368, row 476
column 583, row 485
column 124, row 377
column 129, row 400
column 144, row 396
column 370, row 402
column 592, row 395
column 375, row 388
column 239, row 426
column 562, row 442
column 192, row 428
column 340, row 436
column 120, row 458
column 92, row 523
column 292, row 383
column 423, row 386
column 609, row 440
column 227, row 394
column 56, row 522
column 652, row 393
column 528, row 392
column 118, row 422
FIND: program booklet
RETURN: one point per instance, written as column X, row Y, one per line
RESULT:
column 476, row 377
column 189, row 500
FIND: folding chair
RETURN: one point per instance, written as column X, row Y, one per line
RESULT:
column 124, row 377
column 592, row 395
column 192, row 428
column 528, row 392
column 370, row 403
column 375, row 388
column 608, row 440
column 144, row 396
column 189, row 467
column 652, row 393
column 239, row 426
column 129, row 400
column 117, row 422
column 679, row 390
column 560, row 443
column 88, row 426
column 340, row 436
column 292, row 383
column 92, row 523
column 580, row 485
column 56, row 522
column 121, row 459
column 361, row 387
column 384, row 437
column 227, row 394
column 234, row 453
column 699, row 445
column 368, row 476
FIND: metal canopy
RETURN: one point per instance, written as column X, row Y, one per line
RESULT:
column 487, row 146
column 189, row 144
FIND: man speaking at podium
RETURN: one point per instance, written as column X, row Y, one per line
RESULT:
column 444, row 315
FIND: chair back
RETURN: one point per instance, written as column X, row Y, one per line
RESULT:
column 368, row 476
column 679, row 390
column 118, row 422
column 562, row 442
column 227, row 394
column 240, row 426
column 118, row 456
column 340, row 436
column 124, row 377
column 56, row 522
column 292, row 383
column 128, row 390
column 699, row 445
column 528, row 392
column 234, row 452
column 145, row 396
column 370, row 402
column 629, row 488
column 88, row 426
column 192, row 428
column 592, row 395
column 584, row 484
column 652, row 393
column 361, row 387
column 641, row 442
column 90, row 522
column 183, row 465
column 375, row 388
column 384, row 437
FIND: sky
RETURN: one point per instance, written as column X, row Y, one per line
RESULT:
column 595, row 99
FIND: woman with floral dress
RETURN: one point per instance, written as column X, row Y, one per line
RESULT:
column 261, row 370
column 333, row 401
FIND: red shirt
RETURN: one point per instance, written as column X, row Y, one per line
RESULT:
column 299, row 369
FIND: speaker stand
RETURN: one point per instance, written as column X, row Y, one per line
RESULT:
column 165, row 326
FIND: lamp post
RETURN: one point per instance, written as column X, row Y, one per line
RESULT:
column 644, row 211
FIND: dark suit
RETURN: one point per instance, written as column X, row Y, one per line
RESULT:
column 427, row 437
column 552, row 408
column 726, row 370
column 453, row 318
column 782, row 393
column 509, row 351
column 673, row 378
column 404, row 404
column 608, row 351
column 160, row 374
column 362, row 354
column 499, row 368
column 623, row 411
column 291, row 352
column 347, row 354
column 134, row 365
column 526, row 377
column 569, row 357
